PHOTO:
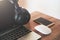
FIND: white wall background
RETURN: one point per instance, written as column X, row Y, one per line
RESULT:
column 49, row 7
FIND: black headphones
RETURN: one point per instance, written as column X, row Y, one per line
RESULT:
column 12, row 14
column 22, row 16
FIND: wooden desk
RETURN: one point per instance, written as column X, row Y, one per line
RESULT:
column 55, row 35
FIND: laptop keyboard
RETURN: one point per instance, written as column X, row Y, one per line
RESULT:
column 15, row 33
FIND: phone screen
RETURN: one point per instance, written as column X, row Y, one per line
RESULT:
column 43, row 21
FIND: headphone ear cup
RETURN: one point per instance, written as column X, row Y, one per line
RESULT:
column 22, row 18
column 25, row 17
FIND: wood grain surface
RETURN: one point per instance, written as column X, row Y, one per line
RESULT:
column 55, row 35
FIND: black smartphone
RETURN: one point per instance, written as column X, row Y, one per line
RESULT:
column 43, row 21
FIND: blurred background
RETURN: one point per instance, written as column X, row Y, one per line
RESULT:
column 48, row 7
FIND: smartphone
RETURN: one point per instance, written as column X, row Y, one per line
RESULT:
column 43, row 21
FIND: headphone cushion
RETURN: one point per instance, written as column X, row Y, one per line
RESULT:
column 23, row 17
